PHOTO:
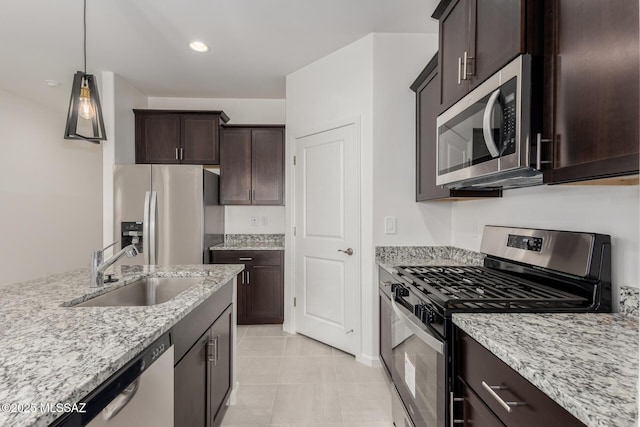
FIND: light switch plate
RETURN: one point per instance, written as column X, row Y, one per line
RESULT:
column 390, row 225
column 254, row 221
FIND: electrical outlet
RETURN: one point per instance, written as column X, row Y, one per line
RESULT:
column 390, row 225
column 254, row 221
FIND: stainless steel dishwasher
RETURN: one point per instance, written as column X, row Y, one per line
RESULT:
column 148, row 400
column 139, row 394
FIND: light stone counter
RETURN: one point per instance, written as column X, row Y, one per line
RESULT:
column 51, row 353
column 251, row 242
column 587, row 363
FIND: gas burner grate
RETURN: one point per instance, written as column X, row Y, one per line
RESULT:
column 482, row 288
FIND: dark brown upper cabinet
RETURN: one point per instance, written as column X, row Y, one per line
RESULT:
column 252, row 165
column 592, row 96
column 178, row 137
column 427, row 89
column 479, row 37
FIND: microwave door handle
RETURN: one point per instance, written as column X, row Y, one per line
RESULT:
column 423, row 335
column 486, row 124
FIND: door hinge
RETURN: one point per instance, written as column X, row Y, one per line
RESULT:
column 294, row 160
column 294, row 301
column 295, row 231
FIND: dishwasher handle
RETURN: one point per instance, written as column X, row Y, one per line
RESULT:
column 122, row 400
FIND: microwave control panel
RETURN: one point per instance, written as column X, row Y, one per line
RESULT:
column 509, row 117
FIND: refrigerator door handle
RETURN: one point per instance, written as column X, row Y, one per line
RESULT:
column 153, row 224
column 145, row 228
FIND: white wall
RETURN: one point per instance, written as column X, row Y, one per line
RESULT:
column 601, row 209
column 127, row 97
column 397, row 61
column 270, row 219
column 240, row 111
column 50, row 193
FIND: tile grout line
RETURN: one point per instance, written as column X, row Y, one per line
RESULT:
column 275, row 395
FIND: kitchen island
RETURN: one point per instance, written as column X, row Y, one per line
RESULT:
column 52, row 352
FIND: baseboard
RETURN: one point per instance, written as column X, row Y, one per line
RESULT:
column 234, row 394
column 371, row 361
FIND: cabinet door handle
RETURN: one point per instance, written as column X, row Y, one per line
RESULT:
column 245, row 258
column 459, row 69
column 452, row 400
column 217, row 349
column 508, row 406
column 465, row 63
column 182, row 154
column 539, row 141
column 248, row 280
column 212, row 350
column 249, row 194
column 177, row 156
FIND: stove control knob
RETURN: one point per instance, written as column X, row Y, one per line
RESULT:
column 433, row 316
column 419, row 311
column 399, row 290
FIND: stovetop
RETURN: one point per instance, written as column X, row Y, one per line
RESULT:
column 462, row 288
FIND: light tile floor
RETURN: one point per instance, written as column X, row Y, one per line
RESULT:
column 293, row 381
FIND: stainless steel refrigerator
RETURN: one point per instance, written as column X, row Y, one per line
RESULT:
column 170, row 212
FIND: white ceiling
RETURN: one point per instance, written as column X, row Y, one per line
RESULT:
column 253, row 44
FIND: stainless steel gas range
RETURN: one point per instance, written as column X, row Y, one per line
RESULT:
column 525, row 271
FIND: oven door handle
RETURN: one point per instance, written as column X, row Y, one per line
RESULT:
column 418, row 330
column 487, row 132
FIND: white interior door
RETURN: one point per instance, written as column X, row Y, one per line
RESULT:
column 327, row 211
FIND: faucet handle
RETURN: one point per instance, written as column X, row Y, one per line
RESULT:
column 104, row 249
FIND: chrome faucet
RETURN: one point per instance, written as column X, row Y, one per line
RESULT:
column 98, row 265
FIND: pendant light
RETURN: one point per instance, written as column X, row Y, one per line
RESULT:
column 85, row 120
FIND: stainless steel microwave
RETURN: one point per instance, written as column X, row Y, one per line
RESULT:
column 491, row 137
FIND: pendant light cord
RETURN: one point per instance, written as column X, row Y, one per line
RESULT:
column 85, row 36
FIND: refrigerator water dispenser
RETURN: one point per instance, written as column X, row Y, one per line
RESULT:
column 132, row 234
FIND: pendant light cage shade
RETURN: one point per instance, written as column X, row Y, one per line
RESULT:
column 85, row 120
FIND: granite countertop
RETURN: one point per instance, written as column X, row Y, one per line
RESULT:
column 251, row 242
column 248, row 246
column 587, row 363
column 50, row 353
column 388, row 257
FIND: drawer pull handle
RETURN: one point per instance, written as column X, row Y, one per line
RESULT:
column 508, row 406
column 245, row 259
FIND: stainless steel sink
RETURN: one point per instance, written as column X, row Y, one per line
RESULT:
column 147, row 291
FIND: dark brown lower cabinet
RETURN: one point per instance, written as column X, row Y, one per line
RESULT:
column 481, row 374
column 263, row 293
column 260, row 285
column 219, row 373
column 203, row 372
column 474, row 411
column 385, row 318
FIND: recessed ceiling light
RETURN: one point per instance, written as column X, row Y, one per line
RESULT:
column 52, row 83
column 198, row 47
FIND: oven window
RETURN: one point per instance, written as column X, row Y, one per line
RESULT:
column 419, row 376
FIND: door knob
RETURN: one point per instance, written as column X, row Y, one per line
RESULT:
column 349, row 251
